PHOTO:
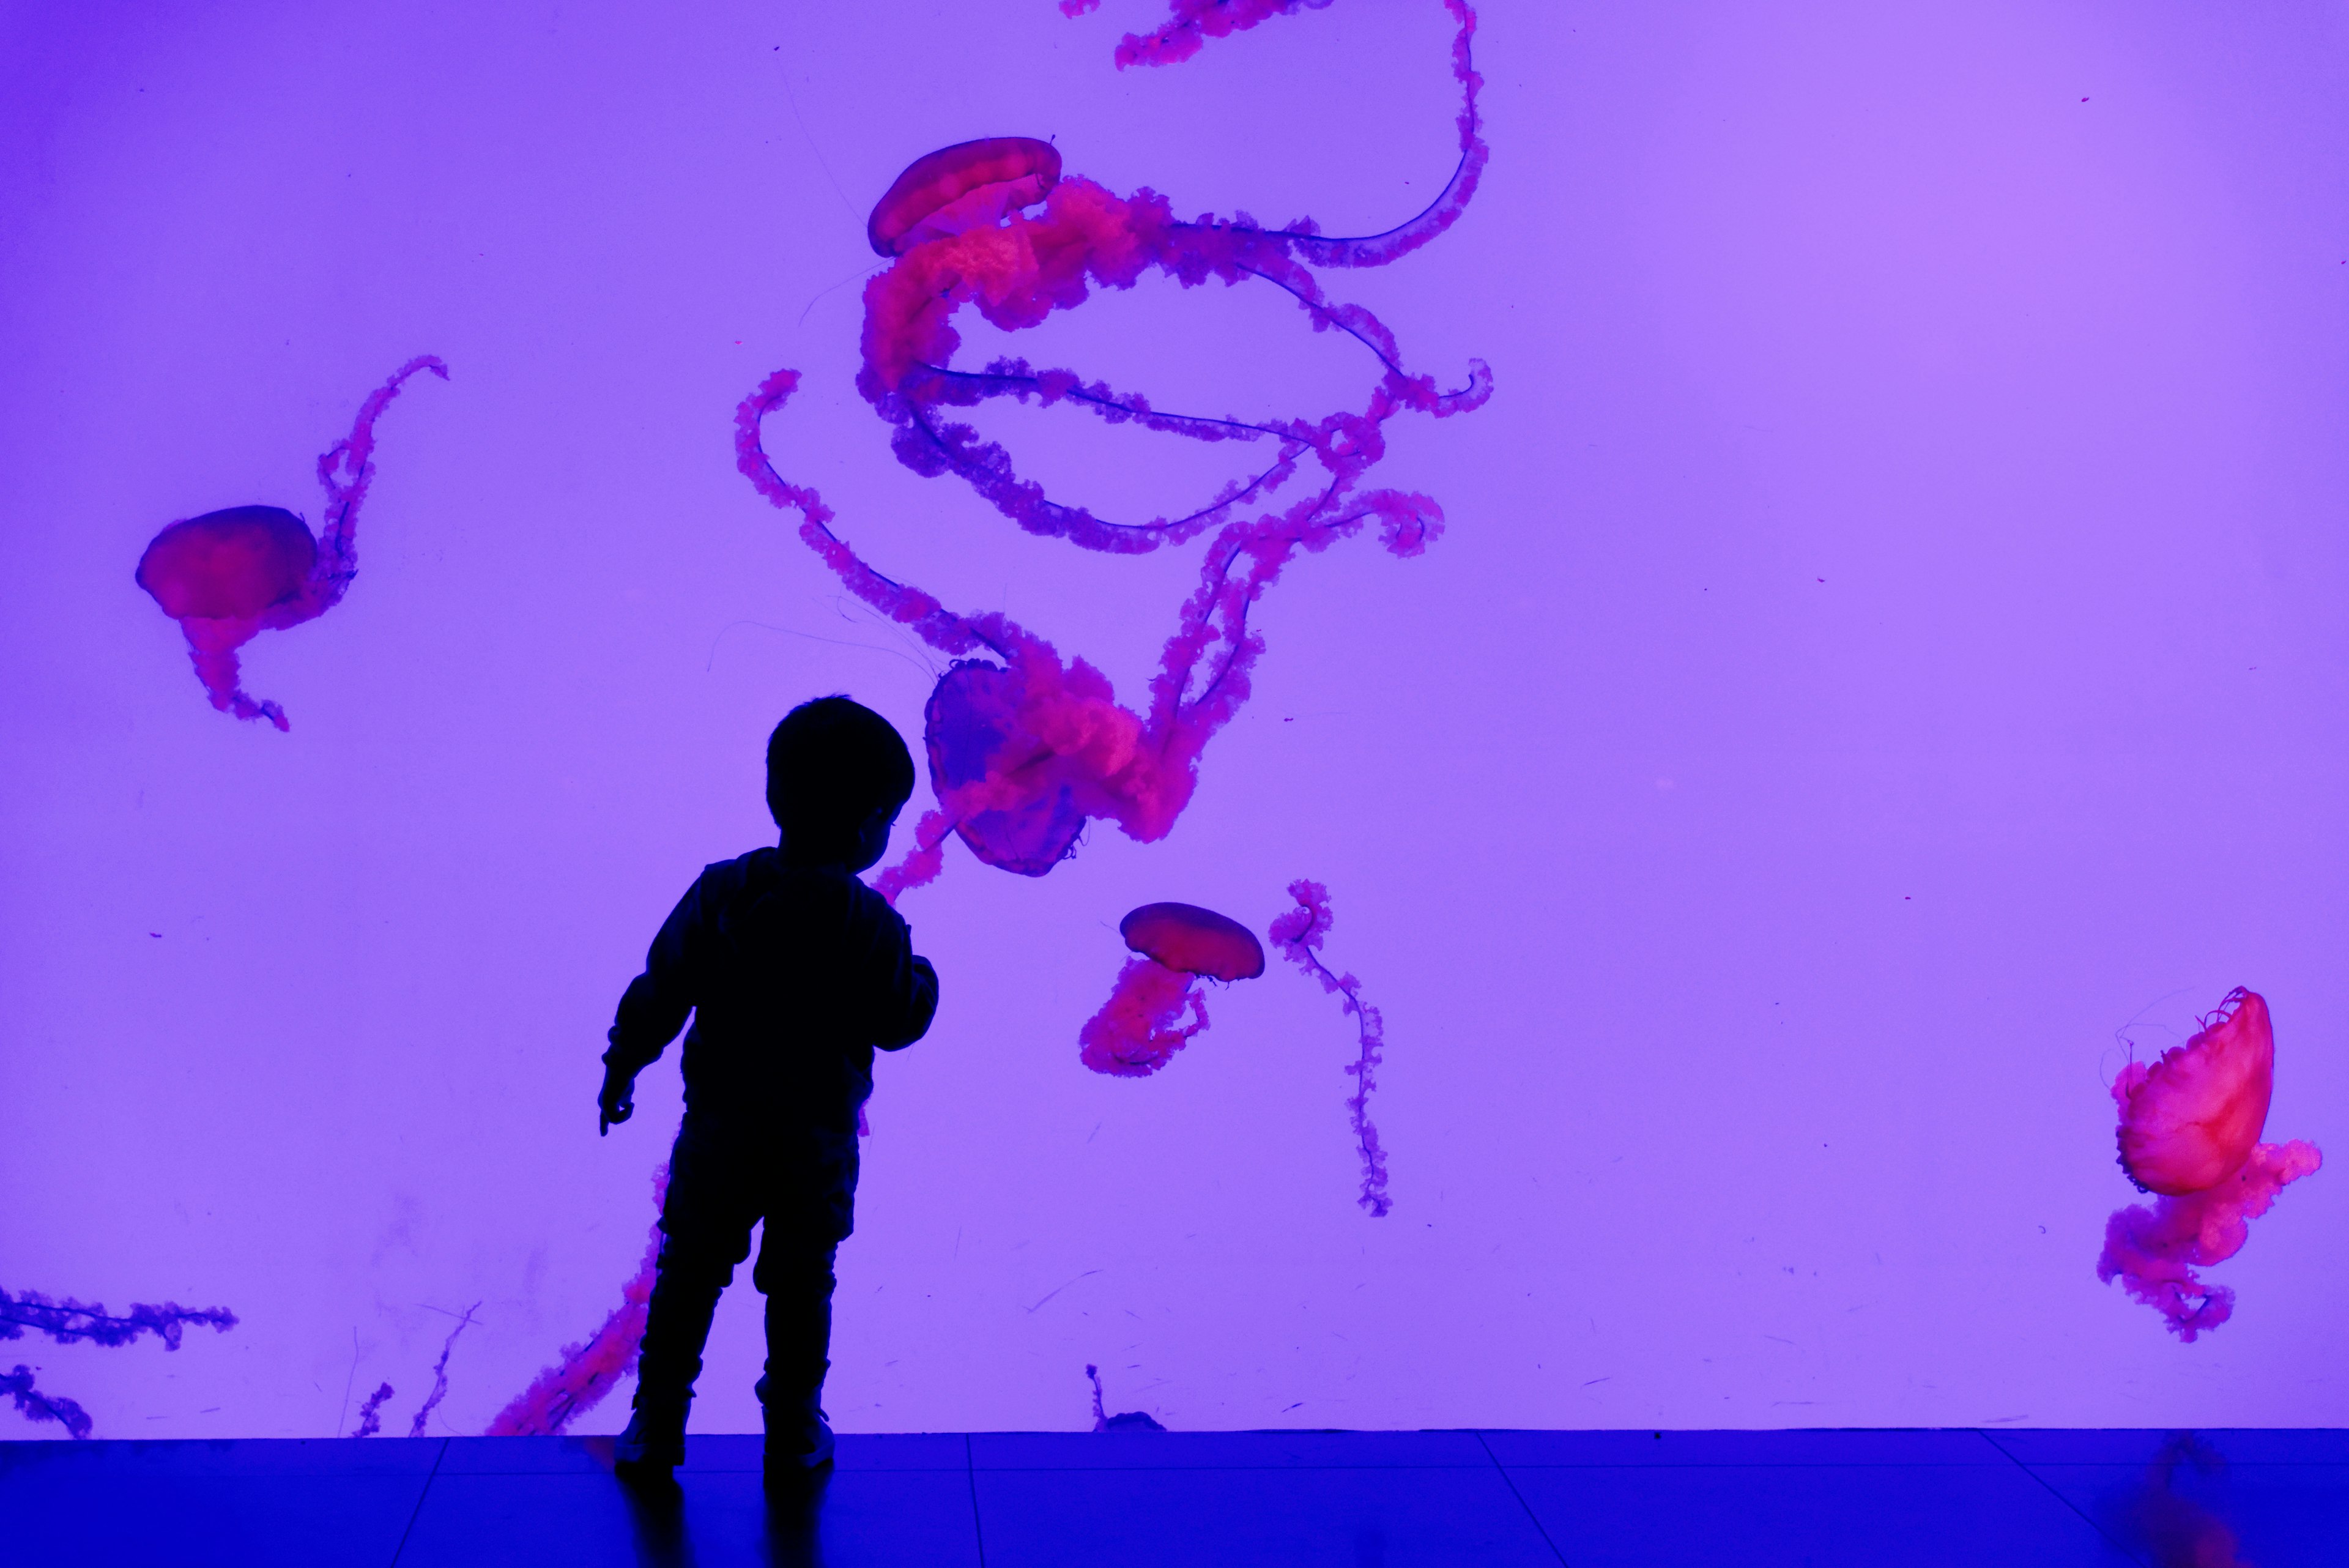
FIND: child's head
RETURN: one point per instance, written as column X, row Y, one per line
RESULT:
column 837, row 775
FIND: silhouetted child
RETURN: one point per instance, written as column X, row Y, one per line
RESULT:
column 795, row 971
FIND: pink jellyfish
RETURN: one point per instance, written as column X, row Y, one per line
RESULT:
column 955, row 222
column 228, row 576
column 2189, row 1133
column 1025, row 747
column 1136, row 1034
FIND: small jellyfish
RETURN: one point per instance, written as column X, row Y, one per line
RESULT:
column 970, row 185
column 1135, row 1032
column 228, row 576
column 2189, row 1133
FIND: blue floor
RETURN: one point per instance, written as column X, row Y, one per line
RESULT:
column 1132, row 1500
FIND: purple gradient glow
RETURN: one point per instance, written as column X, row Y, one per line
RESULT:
column 1887, row 635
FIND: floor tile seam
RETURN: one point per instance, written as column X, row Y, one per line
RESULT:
column 1762, row 1464
column 2049, row 1486
column 417, row 1511
column 1211, row 1470
column 970, row 1476
column 1539, row 1528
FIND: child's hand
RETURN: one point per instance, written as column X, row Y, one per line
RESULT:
column 616, row 1101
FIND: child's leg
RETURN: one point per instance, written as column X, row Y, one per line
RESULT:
column 795, row 1274
column 706, row 1223
column 692, row 1274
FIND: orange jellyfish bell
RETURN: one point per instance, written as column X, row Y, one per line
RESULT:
column 970, row 185
column 2190, row 1120
column 228, row 565
column 1193, row 940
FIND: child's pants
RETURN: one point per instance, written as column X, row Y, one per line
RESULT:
column 802, row 1189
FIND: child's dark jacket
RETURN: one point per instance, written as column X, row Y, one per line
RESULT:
column 792, row 975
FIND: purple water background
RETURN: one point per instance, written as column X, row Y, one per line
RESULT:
column 1889, row 638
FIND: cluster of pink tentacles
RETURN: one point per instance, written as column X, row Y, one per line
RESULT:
column 2154, row 1250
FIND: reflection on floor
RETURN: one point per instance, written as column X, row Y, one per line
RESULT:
column 1123, row 1500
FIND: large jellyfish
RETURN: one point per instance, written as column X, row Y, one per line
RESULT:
column 1298, row 935
column 1135, row 1031
column 1025, row 747
column 2189, row 1133
column 228, row 576
column 956, row 226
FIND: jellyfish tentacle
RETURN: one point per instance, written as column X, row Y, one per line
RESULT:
column 1298, row 934
column 346, row 471
column 1195, row 20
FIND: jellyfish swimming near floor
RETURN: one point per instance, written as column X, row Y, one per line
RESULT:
column 585, row 1371
column 70, row 1322
column 229, row 575
column 1298, row 935
column 958, row 229
column 2189, row 1134
column 1136, row 1030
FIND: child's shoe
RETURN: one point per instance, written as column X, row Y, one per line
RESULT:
column 653, row 1443
column 799, row 1438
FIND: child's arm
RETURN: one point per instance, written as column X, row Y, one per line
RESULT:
column 903, row 987
column 653, row 1009
column 915, row 1001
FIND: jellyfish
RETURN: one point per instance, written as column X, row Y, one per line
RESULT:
column 2189, row 1134
column 585, row 1371
column 1135, row 1031
column 70, row 1322
column 970, row 185
column 1026, row 747
column 956, row 226
column 1298, row 935
column 228, row 576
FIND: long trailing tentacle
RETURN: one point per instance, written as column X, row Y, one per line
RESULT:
column 346, row 469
